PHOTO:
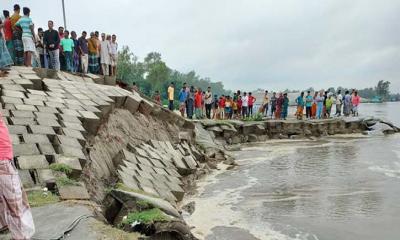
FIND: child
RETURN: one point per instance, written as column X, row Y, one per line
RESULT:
column 235, row 108
column 221, row 107
column 329, row 103
column 228, row 108
column 215, row 107
column 67, row 45
column 157, row 98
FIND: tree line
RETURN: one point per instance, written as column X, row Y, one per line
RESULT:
column 152, row 74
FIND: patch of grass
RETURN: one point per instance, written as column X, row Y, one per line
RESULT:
column 109, row 232
column 143, row 204
column 40, row 198
column 61, row 167
column 147, row 217
column 255, row 117
column 65, row 181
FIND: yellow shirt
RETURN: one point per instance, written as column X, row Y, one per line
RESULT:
column 14, row 19
column 170, row 93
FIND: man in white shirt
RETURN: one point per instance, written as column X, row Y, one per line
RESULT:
column 245, row 105
column 339, row 101
column 208, row 101
column 114, row 54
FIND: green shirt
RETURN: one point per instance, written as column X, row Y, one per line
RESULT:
column 329, row 102
column 67, row 44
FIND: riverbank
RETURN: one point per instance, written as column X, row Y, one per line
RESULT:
column 83, row 138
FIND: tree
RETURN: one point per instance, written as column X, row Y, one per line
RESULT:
column 382, row 89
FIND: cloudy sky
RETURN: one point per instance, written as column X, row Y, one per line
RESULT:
column 269, row 44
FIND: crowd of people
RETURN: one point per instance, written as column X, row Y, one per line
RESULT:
column 199, row 104
column 59, row 50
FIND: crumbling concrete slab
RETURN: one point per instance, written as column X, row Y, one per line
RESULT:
column 32, row 162
column 46, row 130
column 25, row 150
column 73, row 193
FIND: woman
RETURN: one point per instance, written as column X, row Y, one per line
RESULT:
column 285, row 106
column 92, row 47
column 190, row 103
column 320, row 105
column 279, row 104
column 347, row 104
column 314, row 106
column 355, row 100
column 5, row 58
column 197, row 104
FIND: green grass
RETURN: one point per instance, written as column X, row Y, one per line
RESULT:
column 147, row 217
column 61, row 167
column 255, row 117
column 143, row 204
column 65, row 181
column 39, row 198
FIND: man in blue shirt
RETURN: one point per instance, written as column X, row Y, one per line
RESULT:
column 309, row 102
column 27, row 27
column 183, row 94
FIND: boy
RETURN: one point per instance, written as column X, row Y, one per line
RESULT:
column 67, row 45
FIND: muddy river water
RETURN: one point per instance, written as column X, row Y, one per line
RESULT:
column 342, row 187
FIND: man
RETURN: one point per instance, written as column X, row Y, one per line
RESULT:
column 28, row 34
column 17, row 37
column 92, row 48
column 279, row 105
column 171, row 96
column 15, row 213
column 8, row 34
column 51, row 41
column 105, row 54
column 183, row 94
column 68, row 46
column 63, row 64
column 197, row 104
column 252, row 100
column 300, row 106
column 266, row 103
column 285, row 106
column 98, row 42
column 309, row 103
column 208, row 101
column 245, row 105
column 339, row 100
column 114, row 55
column 273, row 104
column 84, row 52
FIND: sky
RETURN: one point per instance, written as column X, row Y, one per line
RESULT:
column 250, row 44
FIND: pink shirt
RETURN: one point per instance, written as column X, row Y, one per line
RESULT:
column 6, row 150
column 356, row 100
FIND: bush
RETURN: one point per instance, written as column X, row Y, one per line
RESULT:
column 61, row 167
column 147, row 217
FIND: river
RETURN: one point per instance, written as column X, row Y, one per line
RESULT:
column 335, row 188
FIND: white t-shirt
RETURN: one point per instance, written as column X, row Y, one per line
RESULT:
column 208, row 97
column 245, row 101
column 339, row 99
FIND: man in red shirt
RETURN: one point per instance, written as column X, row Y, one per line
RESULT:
column 8, row 33
column 198, row 97
column 252, row 100
column 15, row 213
column 221, row 107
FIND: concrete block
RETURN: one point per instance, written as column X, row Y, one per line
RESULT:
column 89, row 115
column 88, row 103
column 68, row 141
column 32, row 162
column 22, row 121
column 22, row 114
column 13, row 87
column 132, row 103
column 48, row 122
column 47, row 109
column 54, row 104
column 80, row 96
column 26, row 179
column 33, row 102
column 73, row 193
column 12, row 100
column 146, row 107
column 72, row 162
column 4, row 112
column 74, row 126
column 25, row 83
column 71, row 112
column 147, row 168
column 91, row 109
column 31, row 76
column 25, row 107
column 74, row 107
column 37, row 92
column 56, row 94
column 9, row 106
column 144, row 161
column 71, row 151
column 72, row 101
column 110, row 80
column 69, row 118
column 46, row 177
column 45, row 115
column 35, row 138
column 17, row 129
column 46, row 149
column 14, row 94
column 36, row 97
column 190, row 162
column 73, row 133
column 38, row 129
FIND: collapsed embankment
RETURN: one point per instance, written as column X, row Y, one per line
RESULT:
column 85, row 140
